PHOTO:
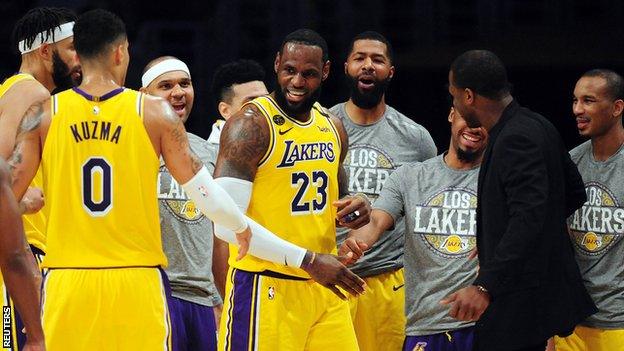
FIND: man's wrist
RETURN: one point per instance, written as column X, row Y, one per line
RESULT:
column 308, row 260
column 482, row 290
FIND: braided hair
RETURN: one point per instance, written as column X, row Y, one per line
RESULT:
column 40, row 20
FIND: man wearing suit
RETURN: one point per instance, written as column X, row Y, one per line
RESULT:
column 528, row 287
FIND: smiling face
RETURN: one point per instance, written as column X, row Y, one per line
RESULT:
column 467, row 142
column 300, row 72
column 595, row 111
column 369, row 71
column 177, row 88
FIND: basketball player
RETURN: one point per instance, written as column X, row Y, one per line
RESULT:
column 287, row 151
column 438, row 198
column 380, row 140
column 99, row 146
column 186, row 233
column 233, row 85
column 45, row 40
column 597, row 228
column 20, row 272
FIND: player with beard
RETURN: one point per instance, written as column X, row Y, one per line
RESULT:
column 437, row 256
column 44, row 38
column 283, row 155
column 381, row 139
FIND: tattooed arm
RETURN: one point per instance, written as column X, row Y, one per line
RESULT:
column 26, row 156
column 13, row 105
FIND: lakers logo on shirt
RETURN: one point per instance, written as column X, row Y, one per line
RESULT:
column 447, row 222
column 368, row 168
column 175, row 199
column 599, row 224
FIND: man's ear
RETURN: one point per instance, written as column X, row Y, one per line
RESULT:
column 277, row 61
column 326, row 66
column 224, row 110
column 469, row 96
column 45, row 51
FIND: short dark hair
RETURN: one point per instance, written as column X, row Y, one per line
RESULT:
column 40, row 20
column 95, row 30
column 615, row 83
column 307, row 37
column 372, row 35
column 483, row 72
column 236, row 72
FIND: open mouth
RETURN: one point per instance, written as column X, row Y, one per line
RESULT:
column 366, row 82
column 179, row 108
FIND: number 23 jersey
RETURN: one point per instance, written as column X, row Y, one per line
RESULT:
column 295, row 185
column 100, row 170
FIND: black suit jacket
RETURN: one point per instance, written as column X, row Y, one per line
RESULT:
column 528, row 186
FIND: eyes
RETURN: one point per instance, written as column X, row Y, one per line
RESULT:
column 168, row 85
column 307, row 74
column 586, row 100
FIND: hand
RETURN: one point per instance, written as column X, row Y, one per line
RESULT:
column 217, row 310
column 350, row 204
column 32, row 201
column 352, row 250
column 243, row 238
column 327, row 270
column 467, row 304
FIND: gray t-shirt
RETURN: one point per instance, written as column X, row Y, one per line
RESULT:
column 375, row 151
column 596, row 230
column 439, row 204
column 187, row 235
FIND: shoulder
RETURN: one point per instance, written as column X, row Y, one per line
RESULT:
column 25, row 92
column 404, row 123
column 338, row 110
column 578, row 152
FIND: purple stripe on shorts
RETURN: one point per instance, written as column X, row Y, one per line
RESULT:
column 454, row 340
column 168, row 297
column 243, row 296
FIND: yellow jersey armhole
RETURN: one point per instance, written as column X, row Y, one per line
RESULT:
column 53, row 106
column 271, row 147
column 333, row 127
column 140, row 104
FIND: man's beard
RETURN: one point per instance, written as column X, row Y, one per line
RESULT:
column 467, row 156
column 369, row 99
column 61, row 74
column 302, row 107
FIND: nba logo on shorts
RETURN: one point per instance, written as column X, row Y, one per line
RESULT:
column 420, row 346
column 271, row 293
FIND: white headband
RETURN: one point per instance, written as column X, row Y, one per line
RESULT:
column 59, row 33
column 163, row 67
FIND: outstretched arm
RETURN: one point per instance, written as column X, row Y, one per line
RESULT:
column 361, row 239
column 19, row 269
column 244, row 141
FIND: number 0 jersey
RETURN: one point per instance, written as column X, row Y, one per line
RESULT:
column 34, row 224
column 100, row 171
column 295, row 185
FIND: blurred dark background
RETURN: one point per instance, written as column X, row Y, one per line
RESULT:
column 546, row 45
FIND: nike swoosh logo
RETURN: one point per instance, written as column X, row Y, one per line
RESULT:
column 282, row 132
column 395, row 288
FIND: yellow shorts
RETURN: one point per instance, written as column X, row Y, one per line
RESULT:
column 106, row 309
column 261, row 312
column 379, row 315
column 13, row 337
column 591, row 339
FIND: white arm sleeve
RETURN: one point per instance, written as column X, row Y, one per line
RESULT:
column 264, row 244
column 214, row 202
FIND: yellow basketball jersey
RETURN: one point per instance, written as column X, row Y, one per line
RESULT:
column 34, row 224
column 296, row 183
column 100, row 171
